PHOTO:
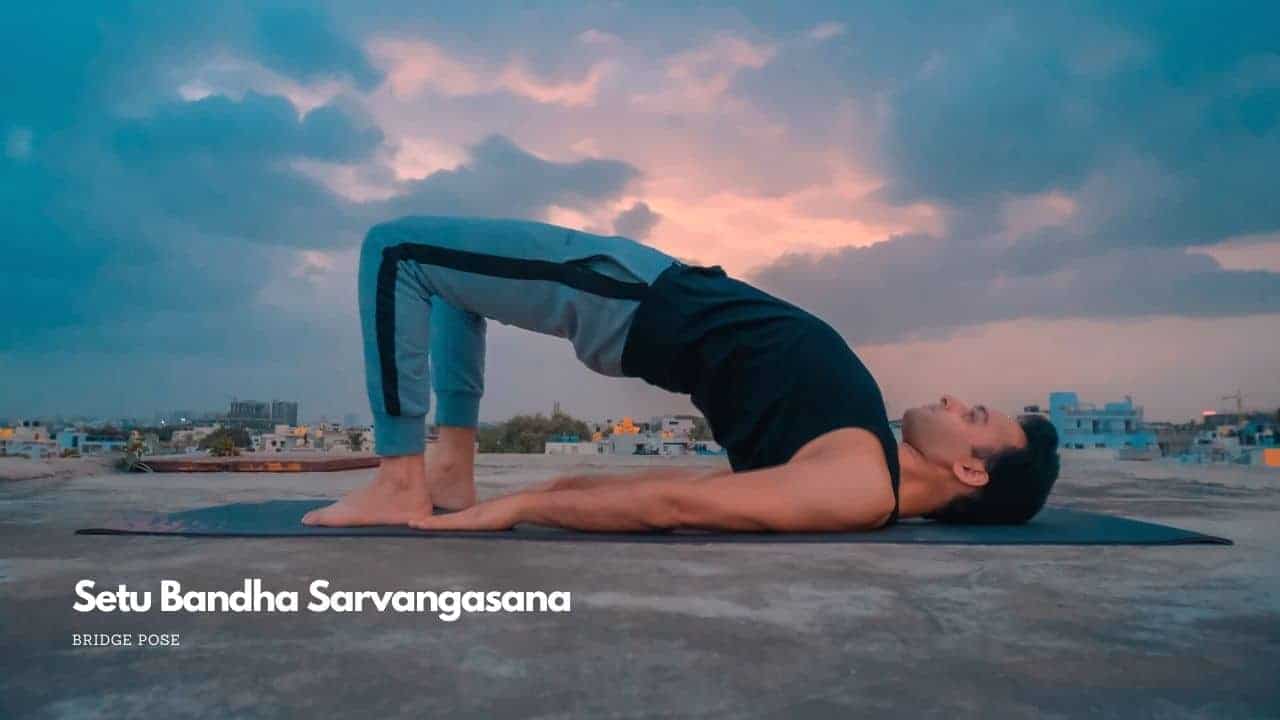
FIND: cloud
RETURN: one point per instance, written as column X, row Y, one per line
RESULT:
column 181, row 185
column 264, row 127
column 826, row 31
column 218, row 165
column 305, row 45
column 918, row 286
column 501, row 179
column 636, row 222
column 1161, row 136
column 699, row 78
column 415, row 66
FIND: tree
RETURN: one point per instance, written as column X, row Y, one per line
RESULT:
column 225, row 442
column 355, row 439
column 701, row 431
column 529, row 433
column 108, row 430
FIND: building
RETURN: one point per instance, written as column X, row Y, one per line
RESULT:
column 263, row 416
column 663, row 435
column 1254, row 428
column 673, row 427
column 334, row 438
column 284, row 412
column 282, row 438
column 190, row 437
column 27, row 438
column 249, row 414
column 571, row 445
column 83, row 443
column 1115, row 425
column 626, row 427
column 630, row 443
column 1246, row 438
column 1174, row 439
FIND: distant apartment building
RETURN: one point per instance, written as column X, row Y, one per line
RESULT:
column 249, row 414
column 1115, row 425
column 258, row 415
column 284, row 412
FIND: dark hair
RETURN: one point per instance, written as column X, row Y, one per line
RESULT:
column 1020, row 479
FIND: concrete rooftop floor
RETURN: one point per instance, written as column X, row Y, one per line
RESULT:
column 656, row 630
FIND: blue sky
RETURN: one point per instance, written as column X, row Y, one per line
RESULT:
column 986, row 200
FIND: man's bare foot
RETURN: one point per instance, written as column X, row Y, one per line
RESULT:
column 398, row 493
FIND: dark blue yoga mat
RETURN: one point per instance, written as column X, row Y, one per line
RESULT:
column 282, row 518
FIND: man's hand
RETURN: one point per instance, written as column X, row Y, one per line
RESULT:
column 501, row 513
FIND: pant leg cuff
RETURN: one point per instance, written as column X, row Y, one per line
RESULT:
column 396, row 435
column 457, row 409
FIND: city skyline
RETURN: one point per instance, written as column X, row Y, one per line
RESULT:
column 990, row 202
column 351, row 419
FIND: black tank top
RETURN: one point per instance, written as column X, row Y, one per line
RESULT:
column 767, row 375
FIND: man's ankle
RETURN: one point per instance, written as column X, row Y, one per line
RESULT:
column 402, row 470
column 453, row 454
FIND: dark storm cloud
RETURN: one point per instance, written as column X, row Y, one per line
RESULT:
column 305, row 45
column 1160, row 122
column 1173, row 106
column 636, row 222
column 134, row 218
column 221, row 166
column 266, row 127
column 501, row 179
column 920, row 286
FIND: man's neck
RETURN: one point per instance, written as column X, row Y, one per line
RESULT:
column 924, row 486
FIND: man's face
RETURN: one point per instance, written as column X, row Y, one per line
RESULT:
column 947, row 431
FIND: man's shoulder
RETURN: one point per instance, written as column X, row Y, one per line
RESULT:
column 858, row 454
column 847, row 442
column 854, row 445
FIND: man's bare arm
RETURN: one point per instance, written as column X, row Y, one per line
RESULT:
column 816, row 494
column 584, row 481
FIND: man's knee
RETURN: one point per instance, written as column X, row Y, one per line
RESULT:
column 379, row 237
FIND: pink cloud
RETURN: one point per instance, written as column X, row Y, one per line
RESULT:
column 698, row 79
column 1250, row 252
column 415, row 66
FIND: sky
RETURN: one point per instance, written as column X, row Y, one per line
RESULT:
column 989, row 201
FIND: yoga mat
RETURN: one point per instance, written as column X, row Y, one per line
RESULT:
column 282, row 518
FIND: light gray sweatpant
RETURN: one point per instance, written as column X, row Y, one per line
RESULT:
column 427, row 284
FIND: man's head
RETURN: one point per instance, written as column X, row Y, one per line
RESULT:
column 1009, row 465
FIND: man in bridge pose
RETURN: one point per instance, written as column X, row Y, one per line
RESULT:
column 801, row 418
